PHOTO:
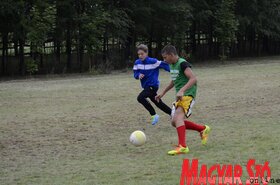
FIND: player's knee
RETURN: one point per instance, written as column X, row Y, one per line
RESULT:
column 140, row 99
column 176, row 120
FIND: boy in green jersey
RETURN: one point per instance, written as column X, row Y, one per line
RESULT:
column 185, row 84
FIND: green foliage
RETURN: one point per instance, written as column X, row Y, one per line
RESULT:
column 202, row 12
column 106, row 28
column 180, row 14
column 31, row 66
column 225, row 24
column 41, row 25
column 270, row 18
column 92, row 27
column 259, row 17
column 117, row 23
column 10, row 12
column 96, row 71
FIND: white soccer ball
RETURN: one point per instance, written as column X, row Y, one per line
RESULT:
column 137, row 138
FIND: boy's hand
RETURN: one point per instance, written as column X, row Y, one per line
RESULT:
column 141, row 76
column 179, row 95
column 158, row 97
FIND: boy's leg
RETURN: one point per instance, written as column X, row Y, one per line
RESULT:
column 203, row 130
column 142, row 99
column 193, row 126
column 188, row 104
column 162, row 106
column 178, row 122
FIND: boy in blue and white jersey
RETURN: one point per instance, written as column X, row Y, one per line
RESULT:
column 147, row 70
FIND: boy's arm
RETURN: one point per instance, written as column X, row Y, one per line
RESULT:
column 136, row 72
column 170, row 86
column 165, row 66
column 192, row 80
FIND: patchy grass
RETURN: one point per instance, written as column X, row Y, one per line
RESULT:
column 75, row 130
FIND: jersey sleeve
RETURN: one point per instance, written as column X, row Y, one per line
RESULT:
column 136, row 71
column 185, row 65
column 164, row 66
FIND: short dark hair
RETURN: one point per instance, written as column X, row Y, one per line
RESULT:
column 169, row 49
column 142, row 47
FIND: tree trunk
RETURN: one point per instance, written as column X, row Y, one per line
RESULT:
column 210, row 39
column 251, row 37
column 193, row 40
column 128, row 49
column 151, row 33
column 265, row 44
column 79, row 47
column 58, row 37
column 104, row 57
column 41, row 60
column 239, row 45
column 78, row 51
column 245, row 46
column 258, row 45
column 90, row 62
column 16, row 47
column 133, row 46
column 4, row 52
column 159, row 47
column 21, row 57
column 81, row 55
column 68, row 48
column 223, row 51
column 57, row 51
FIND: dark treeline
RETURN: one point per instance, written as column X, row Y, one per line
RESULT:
column 99, row 35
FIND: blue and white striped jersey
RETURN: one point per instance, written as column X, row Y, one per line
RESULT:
column 150, row 68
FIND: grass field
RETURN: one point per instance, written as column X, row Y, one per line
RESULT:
column 75, row 130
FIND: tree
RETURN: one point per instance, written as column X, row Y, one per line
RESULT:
column 225, row 24
column 93, row 29
column 40, row 26
column 9, row 18
column 108, row 30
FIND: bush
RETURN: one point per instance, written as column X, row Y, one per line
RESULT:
column 31, row 66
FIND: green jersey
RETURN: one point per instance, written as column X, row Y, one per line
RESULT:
column 179, row 78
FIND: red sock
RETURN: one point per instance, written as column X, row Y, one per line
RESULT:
column 193, row 126
column 181, row 131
